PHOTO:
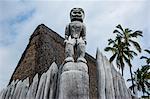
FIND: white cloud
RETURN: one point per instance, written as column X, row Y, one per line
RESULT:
column 101, row 18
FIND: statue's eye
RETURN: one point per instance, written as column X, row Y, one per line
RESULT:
column 74, row 12
column 79, row 12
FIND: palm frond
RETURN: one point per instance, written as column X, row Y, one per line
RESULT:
column 118, row 32
column 120, row 27
column 127, row 30
column 129, row 79
column 109, row 49
column 148, row 61
column 143, row 57
column 112, row 57
column 136, row 45
column 132, row 86
column 127, row 60
column 145, row 68
column 147, row 84
column 132, row 52
column 110, row 41
column 148, row 51
column 129, row 55
column 136, row 34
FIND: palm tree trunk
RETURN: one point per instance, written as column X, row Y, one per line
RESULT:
column 143, row 93
column 122, row 72
column 132, row 78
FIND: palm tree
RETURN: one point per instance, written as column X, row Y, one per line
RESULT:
column 123, row 52
column 116, row 50
column 141, row 81
column 119, row 50
column 147, row 60
column 127, row 36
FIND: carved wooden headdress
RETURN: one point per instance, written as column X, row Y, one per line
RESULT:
column 77, row 14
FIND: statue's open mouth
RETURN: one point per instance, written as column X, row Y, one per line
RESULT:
column 77, row 17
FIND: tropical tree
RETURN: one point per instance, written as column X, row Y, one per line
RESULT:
column 147, row 75
column 118, row 48
column 141, row 79
column 128, row 37
column 122, row 47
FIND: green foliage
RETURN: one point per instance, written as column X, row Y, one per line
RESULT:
column 121, row 46
column 147, row 59
column 142, row 79
column 143, row 76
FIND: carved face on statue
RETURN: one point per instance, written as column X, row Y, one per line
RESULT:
column 77, row 14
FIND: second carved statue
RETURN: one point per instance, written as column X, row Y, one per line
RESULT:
column 75, row 36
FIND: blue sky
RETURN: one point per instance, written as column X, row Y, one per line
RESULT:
column 19, row 18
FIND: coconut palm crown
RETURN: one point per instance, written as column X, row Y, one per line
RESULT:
column 122, row 47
